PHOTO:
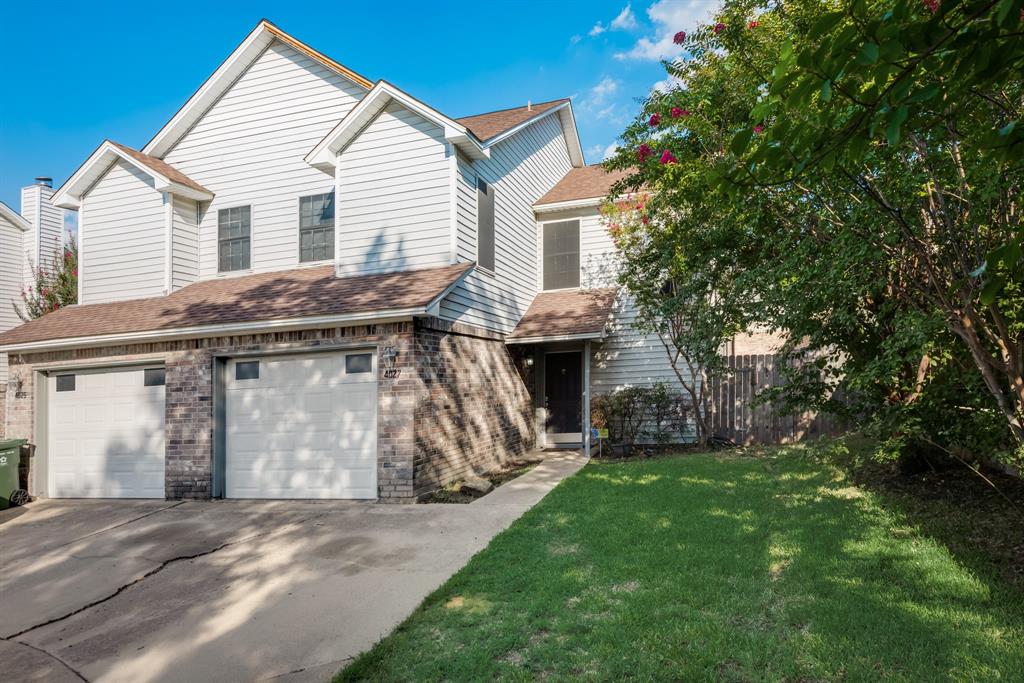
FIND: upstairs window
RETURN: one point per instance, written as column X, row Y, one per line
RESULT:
column 316, row 227
column 485, row 225
column 562, row 255
column 234, row 239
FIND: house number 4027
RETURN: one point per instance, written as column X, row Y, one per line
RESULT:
column 392, row 373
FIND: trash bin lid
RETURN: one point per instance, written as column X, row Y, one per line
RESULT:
column 12, row 443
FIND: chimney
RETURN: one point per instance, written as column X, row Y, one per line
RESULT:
column 529, row 105
column 46, row 236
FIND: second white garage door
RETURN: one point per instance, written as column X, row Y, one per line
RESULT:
column 301, row 426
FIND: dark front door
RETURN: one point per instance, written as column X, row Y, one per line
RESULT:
column 563, row 392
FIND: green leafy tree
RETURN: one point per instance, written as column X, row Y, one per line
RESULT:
column 796, row 170
column 54, row 284
column 910, row 112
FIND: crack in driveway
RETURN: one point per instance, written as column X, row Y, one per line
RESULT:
column 118, row 526
column 152, row 572
column 52, row 656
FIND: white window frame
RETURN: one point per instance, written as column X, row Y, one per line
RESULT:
column 252, row 238
column 478, row 178
column 540, row 249
column 298, row 228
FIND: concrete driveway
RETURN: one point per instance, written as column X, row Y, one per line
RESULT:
column 228, row 591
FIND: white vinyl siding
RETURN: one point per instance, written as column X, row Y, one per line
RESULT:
column 185, row 242
column 394, row 196
column 10, row 282
column 124, row 237
column 249, row 149
column 521, row 168
column 626, row 357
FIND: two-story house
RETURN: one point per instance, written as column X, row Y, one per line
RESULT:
column 312, row 285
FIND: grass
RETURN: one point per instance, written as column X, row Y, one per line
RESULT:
column 711, row 567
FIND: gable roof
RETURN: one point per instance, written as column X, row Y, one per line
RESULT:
column 225, row 75
column 491, row 124
column 589, row 184
column 291, row 299
column 13, row 217
column 564, row 315
column 383, row 93
column 166, row 178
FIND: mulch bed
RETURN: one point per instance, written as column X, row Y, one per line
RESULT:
column 981, row 525
column 454, row 493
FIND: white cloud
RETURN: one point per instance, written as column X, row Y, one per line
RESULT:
column 600, row 93
column 602, row 152
column 575, row 39
column 599, row 102
column 669, row 17
column 626, row 20
column 597, row 30
column 667, row 85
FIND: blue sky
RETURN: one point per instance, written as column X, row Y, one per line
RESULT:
column 78, row 74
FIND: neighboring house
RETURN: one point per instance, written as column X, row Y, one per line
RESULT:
column 311, row 285
column 27, row 239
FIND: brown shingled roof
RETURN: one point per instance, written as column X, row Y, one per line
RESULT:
column 486, row 126
column 589, row 182
column 160, row 166
column 282, row 295
column 573, row 312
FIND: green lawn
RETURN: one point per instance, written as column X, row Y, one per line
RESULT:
column 705, row 567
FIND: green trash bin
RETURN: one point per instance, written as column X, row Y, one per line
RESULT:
column 11, row 493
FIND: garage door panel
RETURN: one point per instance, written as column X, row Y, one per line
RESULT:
column 303, row 429
column 106, row 437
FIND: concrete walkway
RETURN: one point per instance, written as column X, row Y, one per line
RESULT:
column 229, row 591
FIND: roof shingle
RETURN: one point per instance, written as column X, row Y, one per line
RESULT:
column 282, row 295
column 589, row 182
column 575, row 312
column 160, row 166
column 487, row 126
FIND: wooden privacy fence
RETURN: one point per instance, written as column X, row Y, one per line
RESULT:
column 735, row 416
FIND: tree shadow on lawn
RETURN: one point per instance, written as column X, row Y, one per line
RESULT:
column 705, row 567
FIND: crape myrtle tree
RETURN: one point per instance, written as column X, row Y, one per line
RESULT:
column 54, row 283
column 853, row 171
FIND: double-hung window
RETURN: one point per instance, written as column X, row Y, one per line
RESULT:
column 234, row 239
column 562, row 255
column 316, row 227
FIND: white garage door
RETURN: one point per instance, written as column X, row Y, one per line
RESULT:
column 302, row 426
column 106, row 433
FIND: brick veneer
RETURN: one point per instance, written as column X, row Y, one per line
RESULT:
column 452, row 402
column 476, row 412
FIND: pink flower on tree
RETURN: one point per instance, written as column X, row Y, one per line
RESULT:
column 931, row 5
column 644, row 151
column 677, row 112
column 752, row 24
column 718, row 28
column 655, row 120
column 667, row 157
column 758, row 129
column 679, row 38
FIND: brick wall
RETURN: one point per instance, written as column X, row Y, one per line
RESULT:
column 475, row 412
column 189, row 408
column 451, row 400
column 3, row 412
